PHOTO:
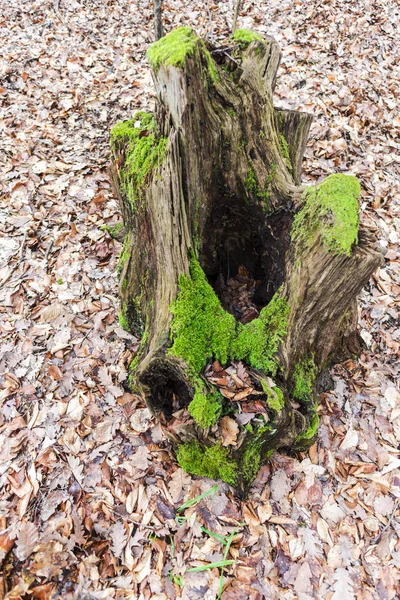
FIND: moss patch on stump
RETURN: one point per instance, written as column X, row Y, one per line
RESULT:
column 331, row 209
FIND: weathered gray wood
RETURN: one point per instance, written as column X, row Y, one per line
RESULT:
column 295, row 126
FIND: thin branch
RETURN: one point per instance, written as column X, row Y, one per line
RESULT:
column 19, row 261
column 158, row 24
column 211, row 34
column 235, row 16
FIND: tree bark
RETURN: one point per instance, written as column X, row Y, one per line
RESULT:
column 208, row 187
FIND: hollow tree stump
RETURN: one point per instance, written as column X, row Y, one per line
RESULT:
column 210, row 197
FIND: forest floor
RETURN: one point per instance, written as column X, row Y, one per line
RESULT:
column 90, row 490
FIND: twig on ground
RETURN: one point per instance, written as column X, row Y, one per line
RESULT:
column 21, row 257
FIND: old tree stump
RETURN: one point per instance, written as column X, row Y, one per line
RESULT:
column 242, row 285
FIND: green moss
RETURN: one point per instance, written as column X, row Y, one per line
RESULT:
column 275, row 397
column 232, row 113
column 123, row 319
column 251, row 462
column 113, row 230
column 253, row 189
column 284, row 147
column 201, row 329
column 205, row 408
column 305, row 439
column 267, row 191
column 251, row 183
column 125, row 254
column 330, row 208
column 246, row 36
column 303, row 377
column 174, row 48
column 144, row 151
column 257, row 342
column 135, row 362
column 212, row 69
column 253, row 455
column 214, row 462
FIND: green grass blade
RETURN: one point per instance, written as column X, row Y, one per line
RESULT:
column 214, row 565
column 227, row 547
column 198, row 498
column 221, row 538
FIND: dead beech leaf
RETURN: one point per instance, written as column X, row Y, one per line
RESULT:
column 178, row 484
column 27, row 539
column 264, row 511
column 219, row 381
column 143, row 568
column 118, row 537
column 323, row 531
column 229, row 431
column 253, row 406
column 252, row 520
column 23, row 504
column 226, row 393
column 7, row 541
column 281, row 520
column 243, row 394
column 141, row 458
column 51, row 312
column 42, row 592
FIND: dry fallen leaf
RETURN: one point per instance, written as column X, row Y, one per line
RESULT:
column 229, row 431
column 27, row 539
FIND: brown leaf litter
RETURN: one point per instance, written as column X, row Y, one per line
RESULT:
column 90, row 492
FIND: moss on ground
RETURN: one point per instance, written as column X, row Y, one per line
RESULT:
column 331, row 209
column 144, row 151
column 214, row 461
column 175, row 47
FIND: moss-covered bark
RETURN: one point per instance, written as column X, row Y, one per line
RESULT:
column 208, row 186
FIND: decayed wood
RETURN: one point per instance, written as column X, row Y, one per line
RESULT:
column 322, row 291
column 295, row 126
column 226, row 190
